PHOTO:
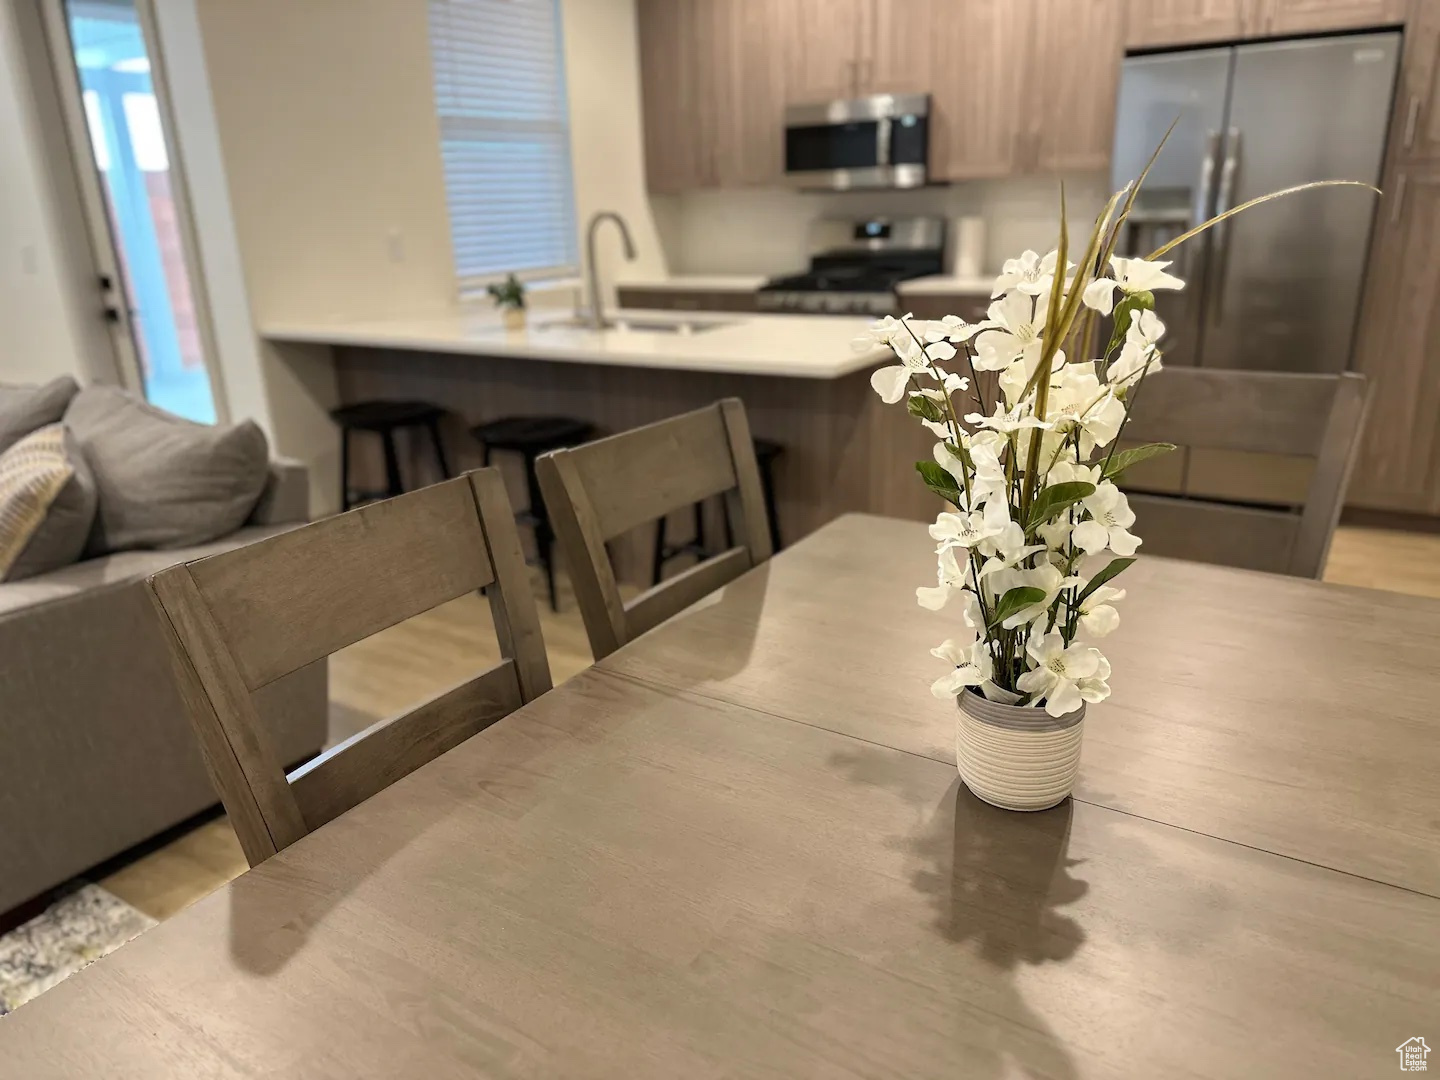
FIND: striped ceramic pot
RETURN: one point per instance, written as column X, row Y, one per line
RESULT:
column 1014, row 757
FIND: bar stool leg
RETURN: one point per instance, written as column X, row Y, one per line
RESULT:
column 344, row 469
column 659, row 561
column 544, row 538
column 439, row 449
column 394, row 485
column 767, row 483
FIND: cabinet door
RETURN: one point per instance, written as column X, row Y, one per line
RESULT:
column 823, row 48
column 1417, row 123
column 1153, row 23
column 897, row 57
column 1307, row 16
column 980, row 55
column 753, row 148
column 1079, row 46
column 1399, row 350
column 668, row 87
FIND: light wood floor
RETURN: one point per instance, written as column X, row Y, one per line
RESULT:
column 399, row 667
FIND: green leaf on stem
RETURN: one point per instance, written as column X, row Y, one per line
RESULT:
column 1056, row 499
column 1124, row 459
column 1017, row 599
column 1110, row 570
column 1125, row 313
column 926, row 408
column 939, row 481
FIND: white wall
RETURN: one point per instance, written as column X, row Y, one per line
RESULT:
column 50, row 320
column 766, row 231
column 602, row 69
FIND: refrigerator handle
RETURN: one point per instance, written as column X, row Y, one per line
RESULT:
column 1223, row 202
column 1204, row 188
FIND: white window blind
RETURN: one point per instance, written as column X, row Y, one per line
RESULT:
column 504, row 137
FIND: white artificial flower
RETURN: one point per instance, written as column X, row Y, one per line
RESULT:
column 1030, row 274
column 1097, row 617
column 1131, row 276
column 1056, row 534
column 877, row 334
column 1078, row 398
column 949, row 576
column 972, row 666
column 1005, row 422
column 1046, row 578
column 952, row 328
column 950, row 462
column 1016, row 377
column 1134, row 362
column 1110, row 518
column 954, row 383
column 1096, row 688
column 966, row 529
column 1017, row 333
column 1057, row 672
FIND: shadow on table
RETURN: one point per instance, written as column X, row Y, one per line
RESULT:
column 995, row 879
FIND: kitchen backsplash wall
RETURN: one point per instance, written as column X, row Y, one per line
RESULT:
column 766, row 230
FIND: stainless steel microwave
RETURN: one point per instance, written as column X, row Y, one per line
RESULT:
column 881, row 141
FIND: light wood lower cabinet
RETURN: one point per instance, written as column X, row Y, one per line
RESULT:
column 1399, row 350
column 969, row 306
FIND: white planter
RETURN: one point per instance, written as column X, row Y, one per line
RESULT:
column 513, row 318
column 1014, row 757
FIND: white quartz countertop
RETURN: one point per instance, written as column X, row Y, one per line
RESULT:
column 789, row 346
column 946, row 284
column 701, row 283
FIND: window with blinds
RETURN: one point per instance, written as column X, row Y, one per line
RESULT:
column 504, row 137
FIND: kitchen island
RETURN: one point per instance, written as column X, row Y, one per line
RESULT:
column 803, row 384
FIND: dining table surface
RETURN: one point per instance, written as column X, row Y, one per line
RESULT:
column 739, row 847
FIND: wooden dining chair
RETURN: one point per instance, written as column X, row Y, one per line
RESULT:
column 597, row 491
column 1316, row 416
column 237, row 621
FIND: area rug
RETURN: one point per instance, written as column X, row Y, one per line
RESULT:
column 77, row 929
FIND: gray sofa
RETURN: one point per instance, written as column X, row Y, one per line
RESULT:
column 96, row 753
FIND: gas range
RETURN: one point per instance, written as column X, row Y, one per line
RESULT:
column 859, row 276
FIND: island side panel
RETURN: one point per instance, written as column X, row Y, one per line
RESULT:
column 844, row 450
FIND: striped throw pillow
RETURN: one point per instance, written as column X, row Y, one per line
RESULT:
column 33, row 473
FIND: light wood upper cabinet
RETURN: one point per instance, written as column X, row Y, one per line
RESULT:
column 897, row 57
column 1306, row 16
column 1158, row 23
column 1079, row 46
column 979, row 60
column 1399, row 350
column 668, row 88
column 823, row 41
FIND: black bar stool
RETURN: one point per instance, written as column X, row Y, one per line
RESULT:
column 383, row 418
column 766, row 451
column 531, row 436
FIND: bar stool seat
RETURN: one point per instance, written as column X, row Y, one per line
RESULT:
column 384, row 418
column 766, row 451
column 531, row 436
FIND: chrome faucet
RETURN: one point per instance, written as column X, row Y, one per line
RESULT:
column 597, row 315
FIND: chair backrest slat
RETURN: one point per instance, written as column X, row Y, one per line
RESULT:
column 291, row 599
column 371, row 761
column 1266, row 412
column 599, row 490
column 238, row 620
column 677, row 462
column 1317, row 416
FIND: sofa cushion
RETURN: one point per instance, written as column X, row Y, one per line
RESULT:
column 47, row 503
column 24, row 409
column 114, row 571
column 164, row 482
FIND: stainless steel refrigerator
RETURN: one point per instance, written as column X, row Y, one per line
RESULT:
column 1278, row 287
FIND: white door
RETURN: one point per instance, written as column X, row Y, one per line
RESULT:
column 134, row 192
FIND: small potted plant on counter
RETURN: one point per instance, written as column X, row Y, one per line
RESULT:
column 1036, row 530
column 509, row 297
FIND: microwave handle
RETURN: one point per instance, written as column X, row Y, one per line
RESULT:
column 883, row 128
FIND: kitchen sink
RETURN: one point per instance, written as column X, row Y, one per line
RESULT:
column 640, row 326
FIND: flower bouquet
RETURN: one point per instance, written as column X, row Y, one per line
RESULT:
column 1037, row 530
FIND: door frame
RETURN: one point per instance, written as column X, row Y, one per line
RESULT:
column 99, row 227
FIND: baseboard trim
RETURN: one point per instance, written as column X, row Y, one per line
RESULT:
column 1390, row 519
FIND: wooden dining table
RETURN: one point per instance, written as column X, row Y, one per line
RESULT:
column 738, row 847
